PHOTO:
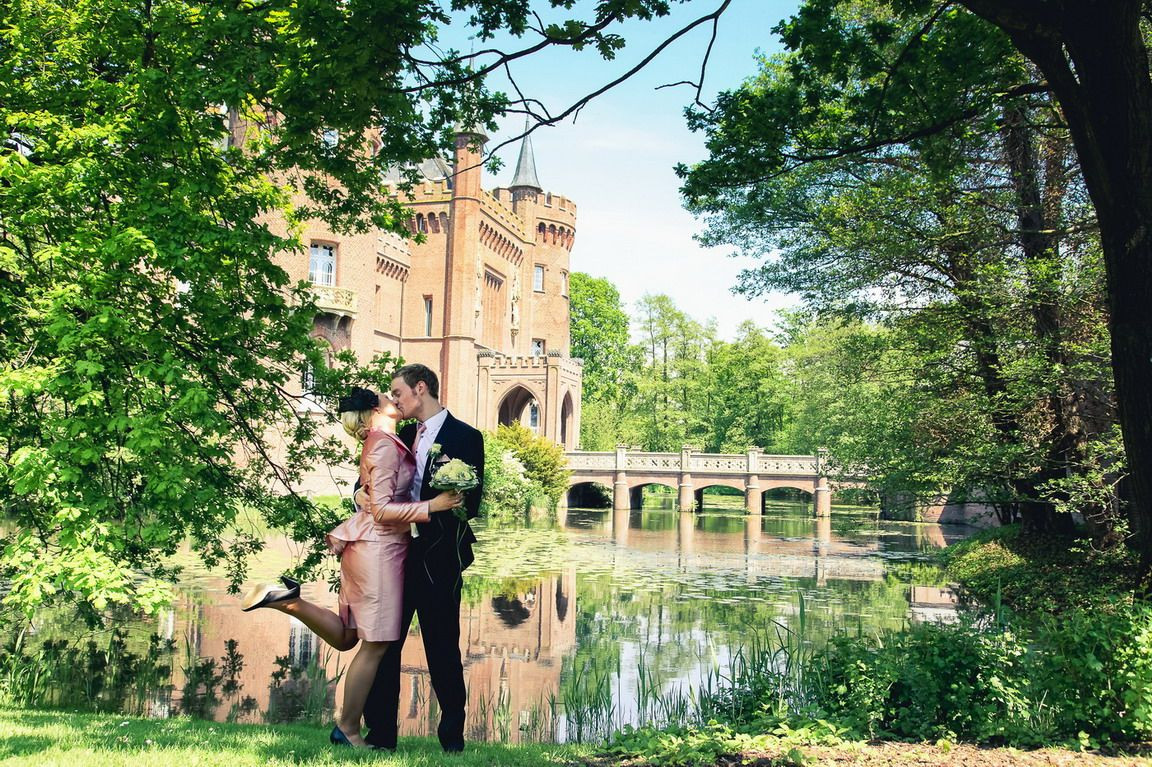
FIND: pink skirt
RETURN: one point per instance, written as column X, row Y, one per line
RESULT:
column 372, row 587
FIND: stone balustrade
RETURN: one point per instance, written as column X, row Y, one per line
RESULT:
column 334, row 300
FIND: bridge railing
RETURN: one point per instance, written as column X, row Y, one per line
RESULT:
column 691, row 461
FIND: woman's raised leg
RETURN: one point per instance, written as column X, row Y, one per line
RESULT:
column 323, row 622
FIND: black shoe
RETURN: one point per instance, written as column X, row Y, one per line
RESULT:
column 290, row 584
column 338, row 738
column 264, row 595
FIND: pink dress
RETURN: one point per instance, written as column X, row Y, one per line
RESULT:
column 372, row 553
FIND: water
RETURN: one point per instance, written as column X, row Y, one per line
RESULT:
column 571, row 625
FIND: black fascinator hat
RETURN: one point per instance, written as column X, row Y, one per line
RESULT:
column 358, row 399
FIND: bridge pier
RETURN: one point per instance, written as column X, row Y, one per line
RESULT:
column 687, row 495
column 753, row 496
column 621, row 497
column 822, row 498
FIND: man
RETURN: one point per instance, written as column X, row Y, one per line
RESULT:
column 439, row 552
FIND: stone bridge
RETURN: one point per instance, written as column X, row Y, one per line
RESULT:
column 690, row 471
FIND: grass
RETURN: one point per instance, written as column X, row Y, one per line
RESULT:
column 61, row 739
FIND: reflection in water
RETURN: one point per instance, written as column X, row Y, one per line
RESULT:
column 569, row 627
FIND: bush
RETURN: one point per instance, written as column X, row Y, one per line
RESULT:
column 1036, row 575
column 929, row 682
column 1086, row 675
column 507, row 487
column 543, row 460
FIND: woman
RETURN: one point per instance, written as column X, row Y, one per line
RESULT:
column 372, row 545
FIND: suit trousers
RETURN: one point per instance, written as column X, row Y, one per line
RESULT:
column 437, row 607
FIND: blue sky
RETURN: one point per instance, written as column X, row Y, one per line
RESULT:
column 616, row 160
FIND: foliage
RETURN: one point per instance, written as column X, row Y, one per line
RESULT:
column 543, row 460
column 925, row 683
column 1037, row 574
column 706, row 745
column 944, row 170
column 507, row 487
column 1083, row 676
column 599, row 331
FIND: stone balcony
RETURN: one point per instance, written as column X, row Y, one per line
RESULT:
column 333, row 300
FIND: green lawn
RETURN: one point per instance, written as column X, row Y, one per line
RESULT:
column 61, row 739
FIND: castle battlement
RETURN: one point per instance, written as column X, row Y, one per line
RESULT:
column 495, row 207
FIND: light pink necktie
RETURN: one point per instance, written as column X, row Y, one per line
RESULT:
column 415, row 448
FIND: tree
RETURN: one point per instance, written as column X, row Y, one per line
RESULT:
column 743, row 404
column 150, row 344
column 893, row 112
column 599, row 331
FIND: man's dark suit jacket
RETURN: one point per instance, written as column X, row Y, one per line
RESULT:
column 444, row 545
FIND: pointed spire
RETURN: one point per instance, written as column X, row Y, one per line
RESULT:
column 525, row 177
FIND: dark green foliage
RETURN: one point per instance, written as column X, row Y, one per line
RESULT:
column 926, row 683
column 1032, row 574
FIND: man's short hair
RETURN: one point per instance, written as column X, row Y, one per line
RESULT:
column 415, row 373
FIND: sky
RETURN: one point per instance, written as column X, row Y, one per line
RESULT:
column 616, row 160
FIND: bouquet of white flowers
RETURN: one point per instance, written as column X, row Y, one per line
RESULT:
column 454, row 475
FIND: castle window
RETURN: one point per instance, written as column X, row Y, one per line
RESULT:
column 538, row 347
column 534, row 416
column 564, row 283
column 538, row 278
column 427, row 315
column 421, row 223
column 322, row 264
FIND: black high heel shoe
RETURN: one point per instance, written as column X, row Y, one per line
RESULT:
column 265, row 594
column 338, row 738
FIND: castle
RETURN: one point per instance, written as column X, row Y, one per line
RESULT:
column 482, row 299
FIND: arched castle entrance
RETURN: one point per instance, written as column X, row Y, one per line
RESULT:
column 520, row 405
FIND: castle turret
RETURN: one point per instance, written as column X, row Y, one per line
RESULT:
column 525, row 185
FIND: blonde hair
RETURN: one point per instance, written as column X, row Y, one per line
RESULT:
column 357, row 423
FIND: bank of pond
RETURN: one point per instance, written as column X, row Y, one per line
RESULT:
column 676, row 637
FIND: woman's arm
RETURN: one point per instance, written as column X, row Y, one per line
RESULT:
column 386, row 501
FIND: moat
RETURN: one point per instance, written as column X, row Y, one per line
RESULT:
column 573, row 624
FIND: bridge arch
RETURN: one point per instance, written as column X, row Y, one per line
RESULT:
column 589, row 494
column 636, row 490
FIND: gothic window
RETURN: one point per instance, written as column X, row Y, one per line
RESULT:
column 533, row 416
column 427, row 315
column 564, row 283
column 322, row 264
column 538, row 278
column 538, row 347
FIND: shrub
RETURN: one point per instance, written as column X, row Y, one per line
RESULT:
column 507, row 487
column 1034, row 574
column 929, row 682
column 543, row 460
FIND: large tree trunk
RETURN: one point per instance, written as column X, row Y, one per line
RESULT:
column 1094, row 58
